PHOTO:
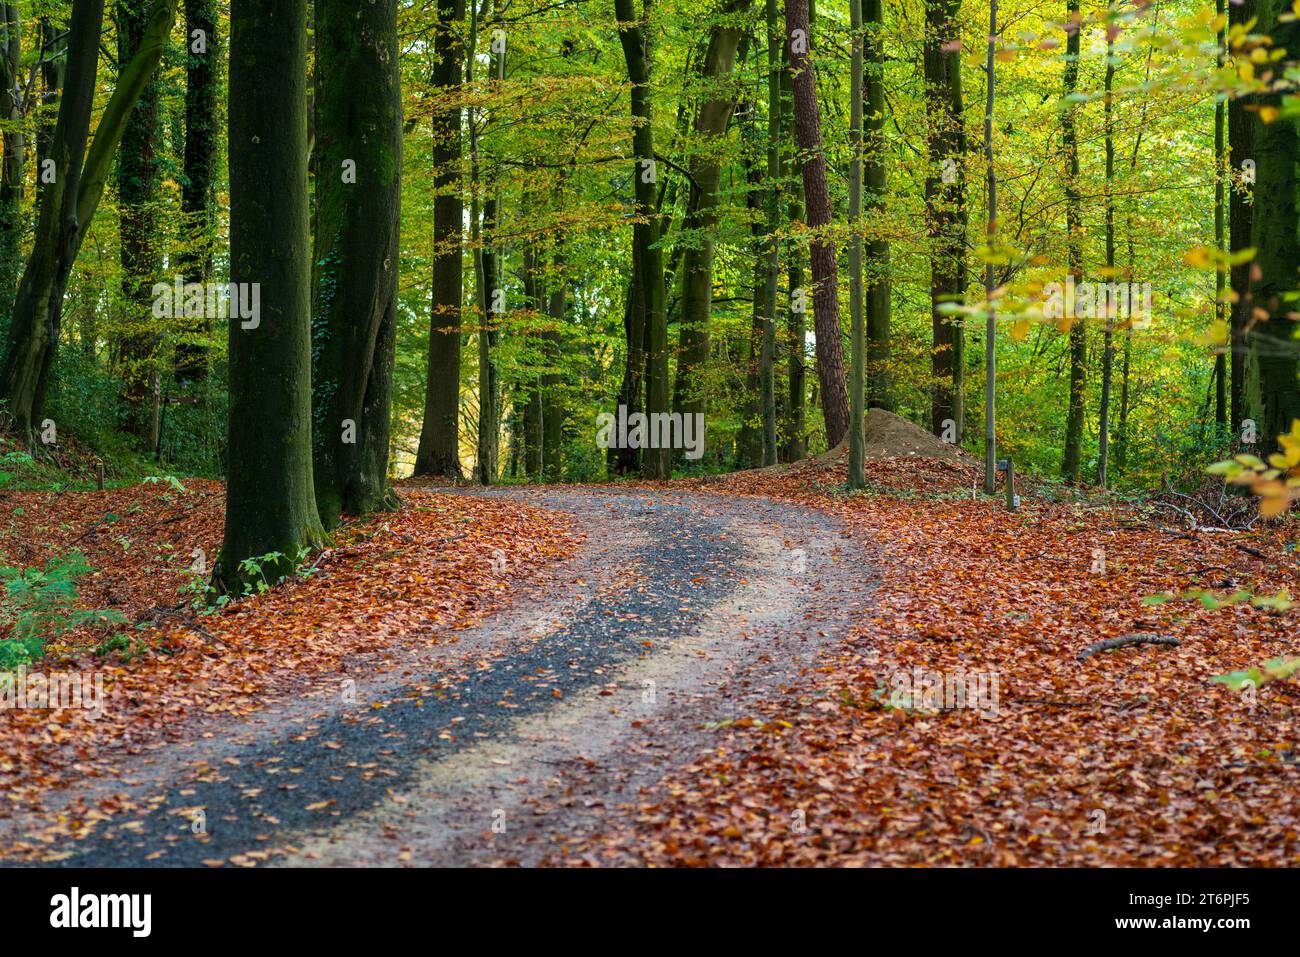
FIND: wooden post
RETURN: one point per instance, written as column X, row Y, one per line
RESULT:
column 99, row 470
column 1011, row 485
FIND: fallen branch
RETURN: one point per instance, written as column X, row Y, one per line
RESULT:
column 1138, row 638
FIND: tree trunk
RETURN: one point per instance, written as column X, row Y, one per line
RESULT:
column 990, row 238
column 821, row 253
column 68, row 204
column 647, row 259
column 1108, row 353
column 796, row 417
column 1220, row 243
column 138, row 183
column 857, row 435
column 202, row 72
column 945, row 200
column 880, row 389
column 356, row 253
column 1271, row 341
column 767, row 351
column 701, row 221
column 1072, row 460
column 11, row 177
column 439, row 449
column 1241, row 147
column 270, row 502
column 490, row 300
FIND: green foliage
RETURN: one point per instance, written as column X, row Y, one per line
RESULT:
column 1278, row 669
column 39, row 606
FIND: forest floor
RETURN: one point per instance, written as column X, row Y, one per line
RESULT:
column 697, row 672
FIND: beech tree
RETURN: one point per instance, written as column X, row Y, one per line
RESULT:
column 356, row 254
column 271, row 514
column 821, row 251
column 439, row 451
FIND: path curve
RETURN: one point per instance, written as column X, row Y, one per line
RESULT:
column 569, row 705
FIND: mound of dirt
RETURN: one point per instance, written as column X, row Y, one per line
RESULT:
column 891, row 436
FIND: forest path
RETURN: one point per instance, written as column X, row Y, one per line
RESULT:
column 681, row 611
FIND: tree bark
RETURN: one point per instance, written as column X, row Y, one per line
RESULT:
column 270, row 502
column 647, row 259
column 11, row 176
column 821, row 253
column 880, row 388
column 202, row 73
column 1108, row 349
column 1241, row 149
column 796, row 406
column 138, row 183
column 701, row 221
column 945, row 199
column 356, row 253
column 1271, row 340
column 1072, row 460
column 439, row 450
column 857, row 436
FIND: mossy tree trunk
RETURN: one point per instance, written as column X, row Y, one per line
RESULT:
column 138, row 181
column 356, row 254
column 202, row 73
column 11, row 176
column 270, row 502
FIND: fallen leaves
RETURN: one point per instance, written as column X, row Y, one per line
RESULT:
column 1102, row 762
column 413, row 577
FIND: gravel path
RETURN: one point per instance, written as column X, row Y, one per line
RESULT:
column 524, row 733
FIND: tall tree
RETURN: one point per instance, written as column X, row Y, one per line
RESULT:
column 945, row 200
column 198, row 188
column 1220, row 235
column 138, row 182
column 1108, row 349
column 1241, row 150
column 439, row 450
column 857, row 394
column 1271, row 340
column 271, row 511
column 356, row 253
column 68, row 204
column 767, row 351
column 701, row 221
column 796, row 405
column 1072, row 460
column 880, row 392
column 647, row 258
column 11, row 175
column 487, row 275
column 990, row 237
column 821, row 252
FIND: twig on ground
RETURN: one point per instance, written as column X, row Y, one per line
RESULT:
column 1137, row 638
